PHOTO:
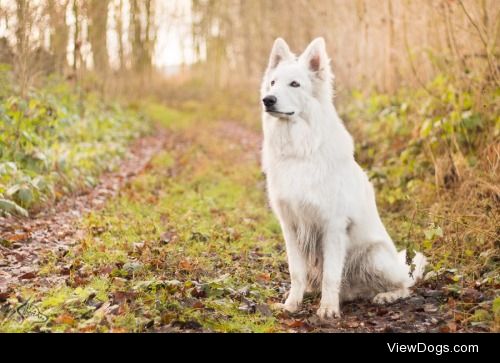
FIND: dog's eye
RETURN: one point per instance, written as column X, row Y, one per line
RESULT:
column 272, row 83
column 295, row 84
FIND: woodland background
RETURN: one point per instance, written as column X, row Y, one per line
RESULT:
column 416, row 82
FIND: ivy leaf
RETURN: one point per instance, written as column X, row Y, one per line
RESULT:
column 13, row 190
column 25, row 196
column 11, row 207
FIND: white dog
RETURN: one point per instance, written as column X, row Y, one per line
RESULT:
column 335, row 239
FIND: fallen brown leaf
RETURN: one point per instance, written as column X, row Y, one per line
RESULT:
column 450, row 327
column 295, row 324
column 198, row 305
column 185, row 265
column 65, row 319
column 119, row 330
column 264, row 277
column 28, row 276
column 352, row 324
column 88, row 328
column 18, row 237
column 4, row 296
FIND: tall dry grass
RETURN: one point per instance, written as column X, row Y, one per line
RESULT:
column 381, row 44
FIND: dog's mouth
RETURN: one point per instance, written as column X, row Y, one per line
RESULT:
column 279, row 113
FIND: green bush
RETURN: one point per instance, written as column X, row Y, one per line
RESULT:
column 430, row 152
column 410, row 131
column 57, row 141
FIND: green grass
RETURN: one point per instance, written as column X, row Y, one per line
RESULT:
column 191, row 242
column 182, row 240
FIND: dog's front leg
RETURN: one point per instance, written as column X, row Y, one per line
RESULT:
column 298, row 270
column 334, row 251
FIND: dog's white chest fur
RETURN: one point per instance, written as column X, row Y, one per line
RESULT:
column 289, row 153
column 335, row 239
column 304, row 161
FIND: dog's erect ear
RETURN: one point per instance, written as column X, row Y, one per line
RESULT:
column 281, row 52
column 316, row 59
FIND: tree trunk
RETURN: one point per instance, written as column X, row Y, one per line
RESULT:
column 119, row 33
column 98, row 26
column 135, row 34
column 77, row 44
column 22, row 26
column 143, row 35
column 59, row 34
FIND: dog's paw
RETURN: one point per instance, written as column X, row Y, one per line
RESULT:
column 390, row 296
column 328, row 312
column 290, row 307
column 384, row 298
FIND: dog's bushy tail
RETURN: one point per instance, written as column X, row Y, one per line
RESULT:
column 419, row 261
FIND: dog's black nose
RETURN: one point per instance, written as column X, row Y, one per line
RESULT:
column 269, row 101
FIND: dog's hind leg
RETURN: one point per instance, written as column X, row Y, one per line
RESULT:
column 391, row 296
column 391, row 273
column 379, row 271
column 419, row 262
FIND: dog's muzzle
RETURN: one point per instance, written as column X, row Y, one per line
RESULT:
column 270, row 102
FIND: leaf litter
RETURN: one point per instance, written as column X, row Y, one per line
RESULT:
column 197, row 270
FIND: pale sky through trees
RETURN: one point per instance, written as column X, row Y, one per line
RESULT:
column 174, row 46
column 174, row 42
column 387, row 43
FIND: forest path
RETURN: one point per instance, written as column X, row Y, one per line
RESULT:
column 180, row 238
column 56, row 230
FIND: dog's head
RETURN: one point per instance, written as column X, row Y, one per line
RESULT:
column 291, row 82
